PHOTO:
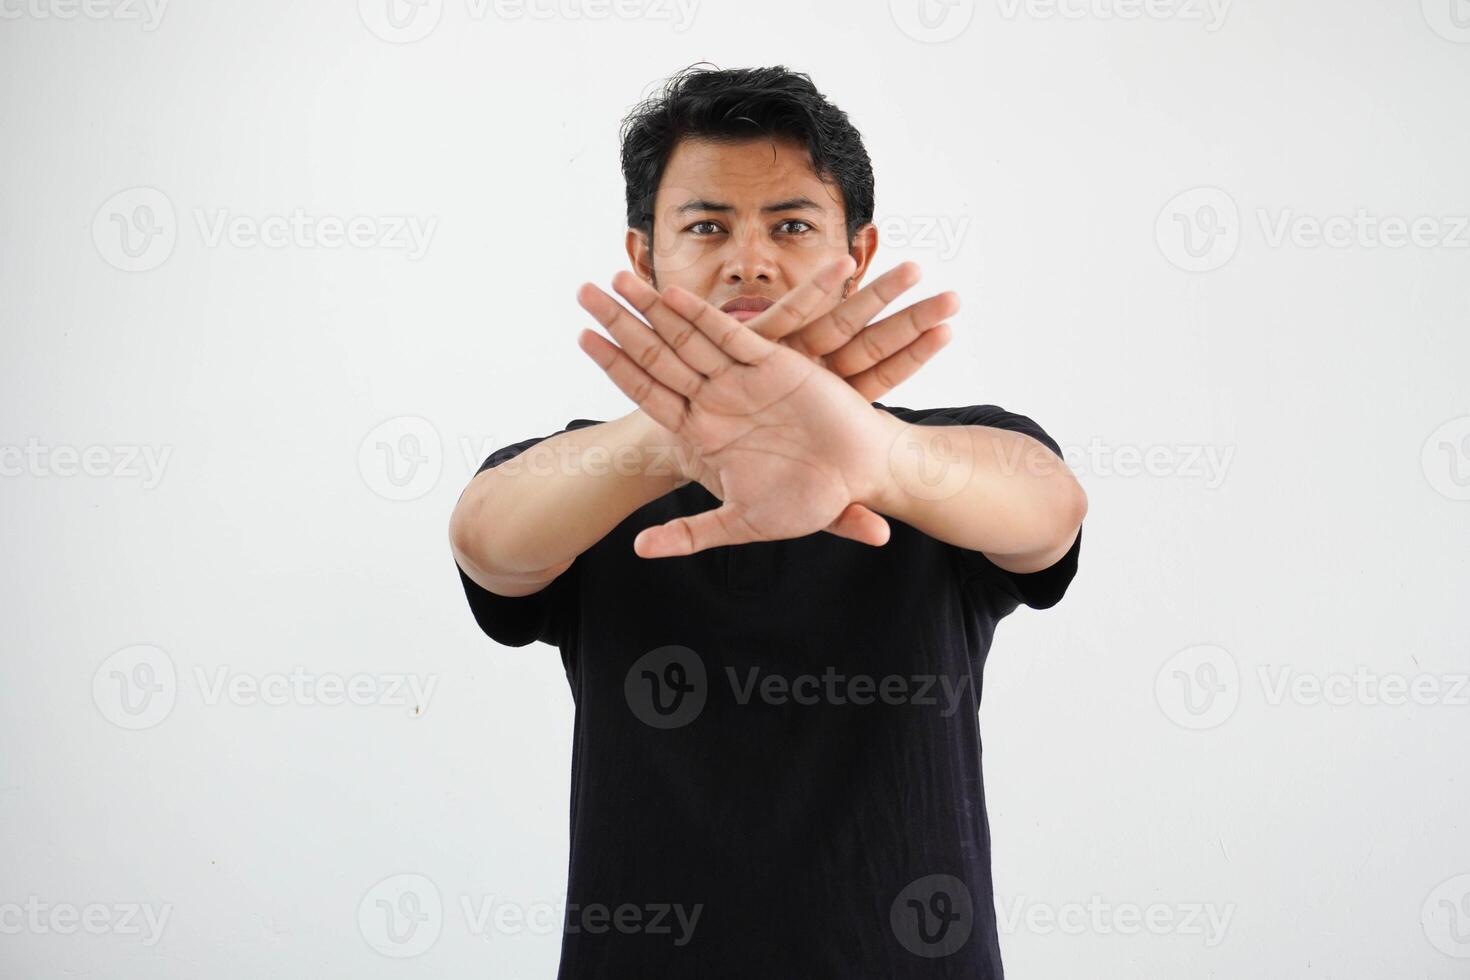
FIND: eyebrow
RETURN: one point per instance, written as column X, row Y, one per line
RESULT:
column 792, row 204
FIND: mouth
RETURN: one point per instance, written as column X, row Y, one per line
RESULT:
column 745, row 308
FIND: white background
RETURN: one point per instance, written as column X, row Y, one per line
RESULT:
column 1139, row 754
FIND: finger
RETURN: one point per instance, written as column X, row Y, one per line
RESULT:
column 860, row 524
column 734, row 338
column 691, row 346
column 846, row 320
column 789, row 313
column 639, row 342
column 660, row 403
column 892, row 334
column 688, row 535
column 889, row 373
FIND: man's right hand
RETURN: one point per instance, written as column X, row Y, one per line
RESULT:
column 873, row 358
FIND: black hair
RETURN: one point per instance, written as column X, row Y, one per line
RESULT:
column 739, row 104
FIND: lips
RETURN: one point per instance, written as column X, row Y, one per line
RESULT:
column 746, row 307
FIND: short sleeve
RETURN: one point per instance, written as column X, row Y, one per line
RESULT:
column 1005, row 590
column 516, row 621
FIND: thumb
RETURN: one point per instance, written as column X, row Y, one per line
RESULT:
column 860, row 524
column 687, row 535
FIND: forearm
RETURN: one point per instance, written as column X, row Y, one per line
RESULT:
column 520, row 524
column 986, row 489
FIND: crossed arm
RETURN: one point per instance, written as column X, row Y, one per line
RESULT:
column 773, row 417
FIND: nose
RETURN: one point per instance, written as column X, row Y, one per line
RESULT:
column 750, row 258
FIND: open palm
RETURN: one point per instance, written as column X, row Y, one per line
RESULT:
column 788, row 446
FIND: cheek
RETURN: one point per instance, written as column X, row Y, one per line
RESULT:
column 678, row 262
column 803, row 264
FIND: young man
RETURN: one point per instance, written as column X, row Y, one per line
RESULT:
column 773, row 596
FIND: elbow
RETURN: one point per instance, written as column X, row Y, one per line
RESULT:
column 489, row 558
column 463, row 528
column 1077, row 504
column 1070, row 512
column 470, row 527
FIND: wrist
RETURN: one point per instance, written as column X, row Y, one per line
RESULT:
column 661, row 455
column 885, row 491
column 923, row 464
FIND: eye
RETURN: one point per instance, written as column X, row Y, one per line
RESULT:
column 714, row 228
column 803, row 226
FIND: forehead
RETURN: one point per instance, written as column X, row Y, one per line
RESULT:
column 749, row 173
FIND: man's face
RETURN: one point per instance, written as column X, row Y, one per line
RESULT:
column 741, row 224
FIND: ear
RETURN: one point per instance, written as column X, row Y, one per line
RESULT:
column 864, row 247
column 640, row 254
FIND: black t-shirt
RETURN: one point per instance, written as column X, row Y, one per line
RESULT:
column 776, row 756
